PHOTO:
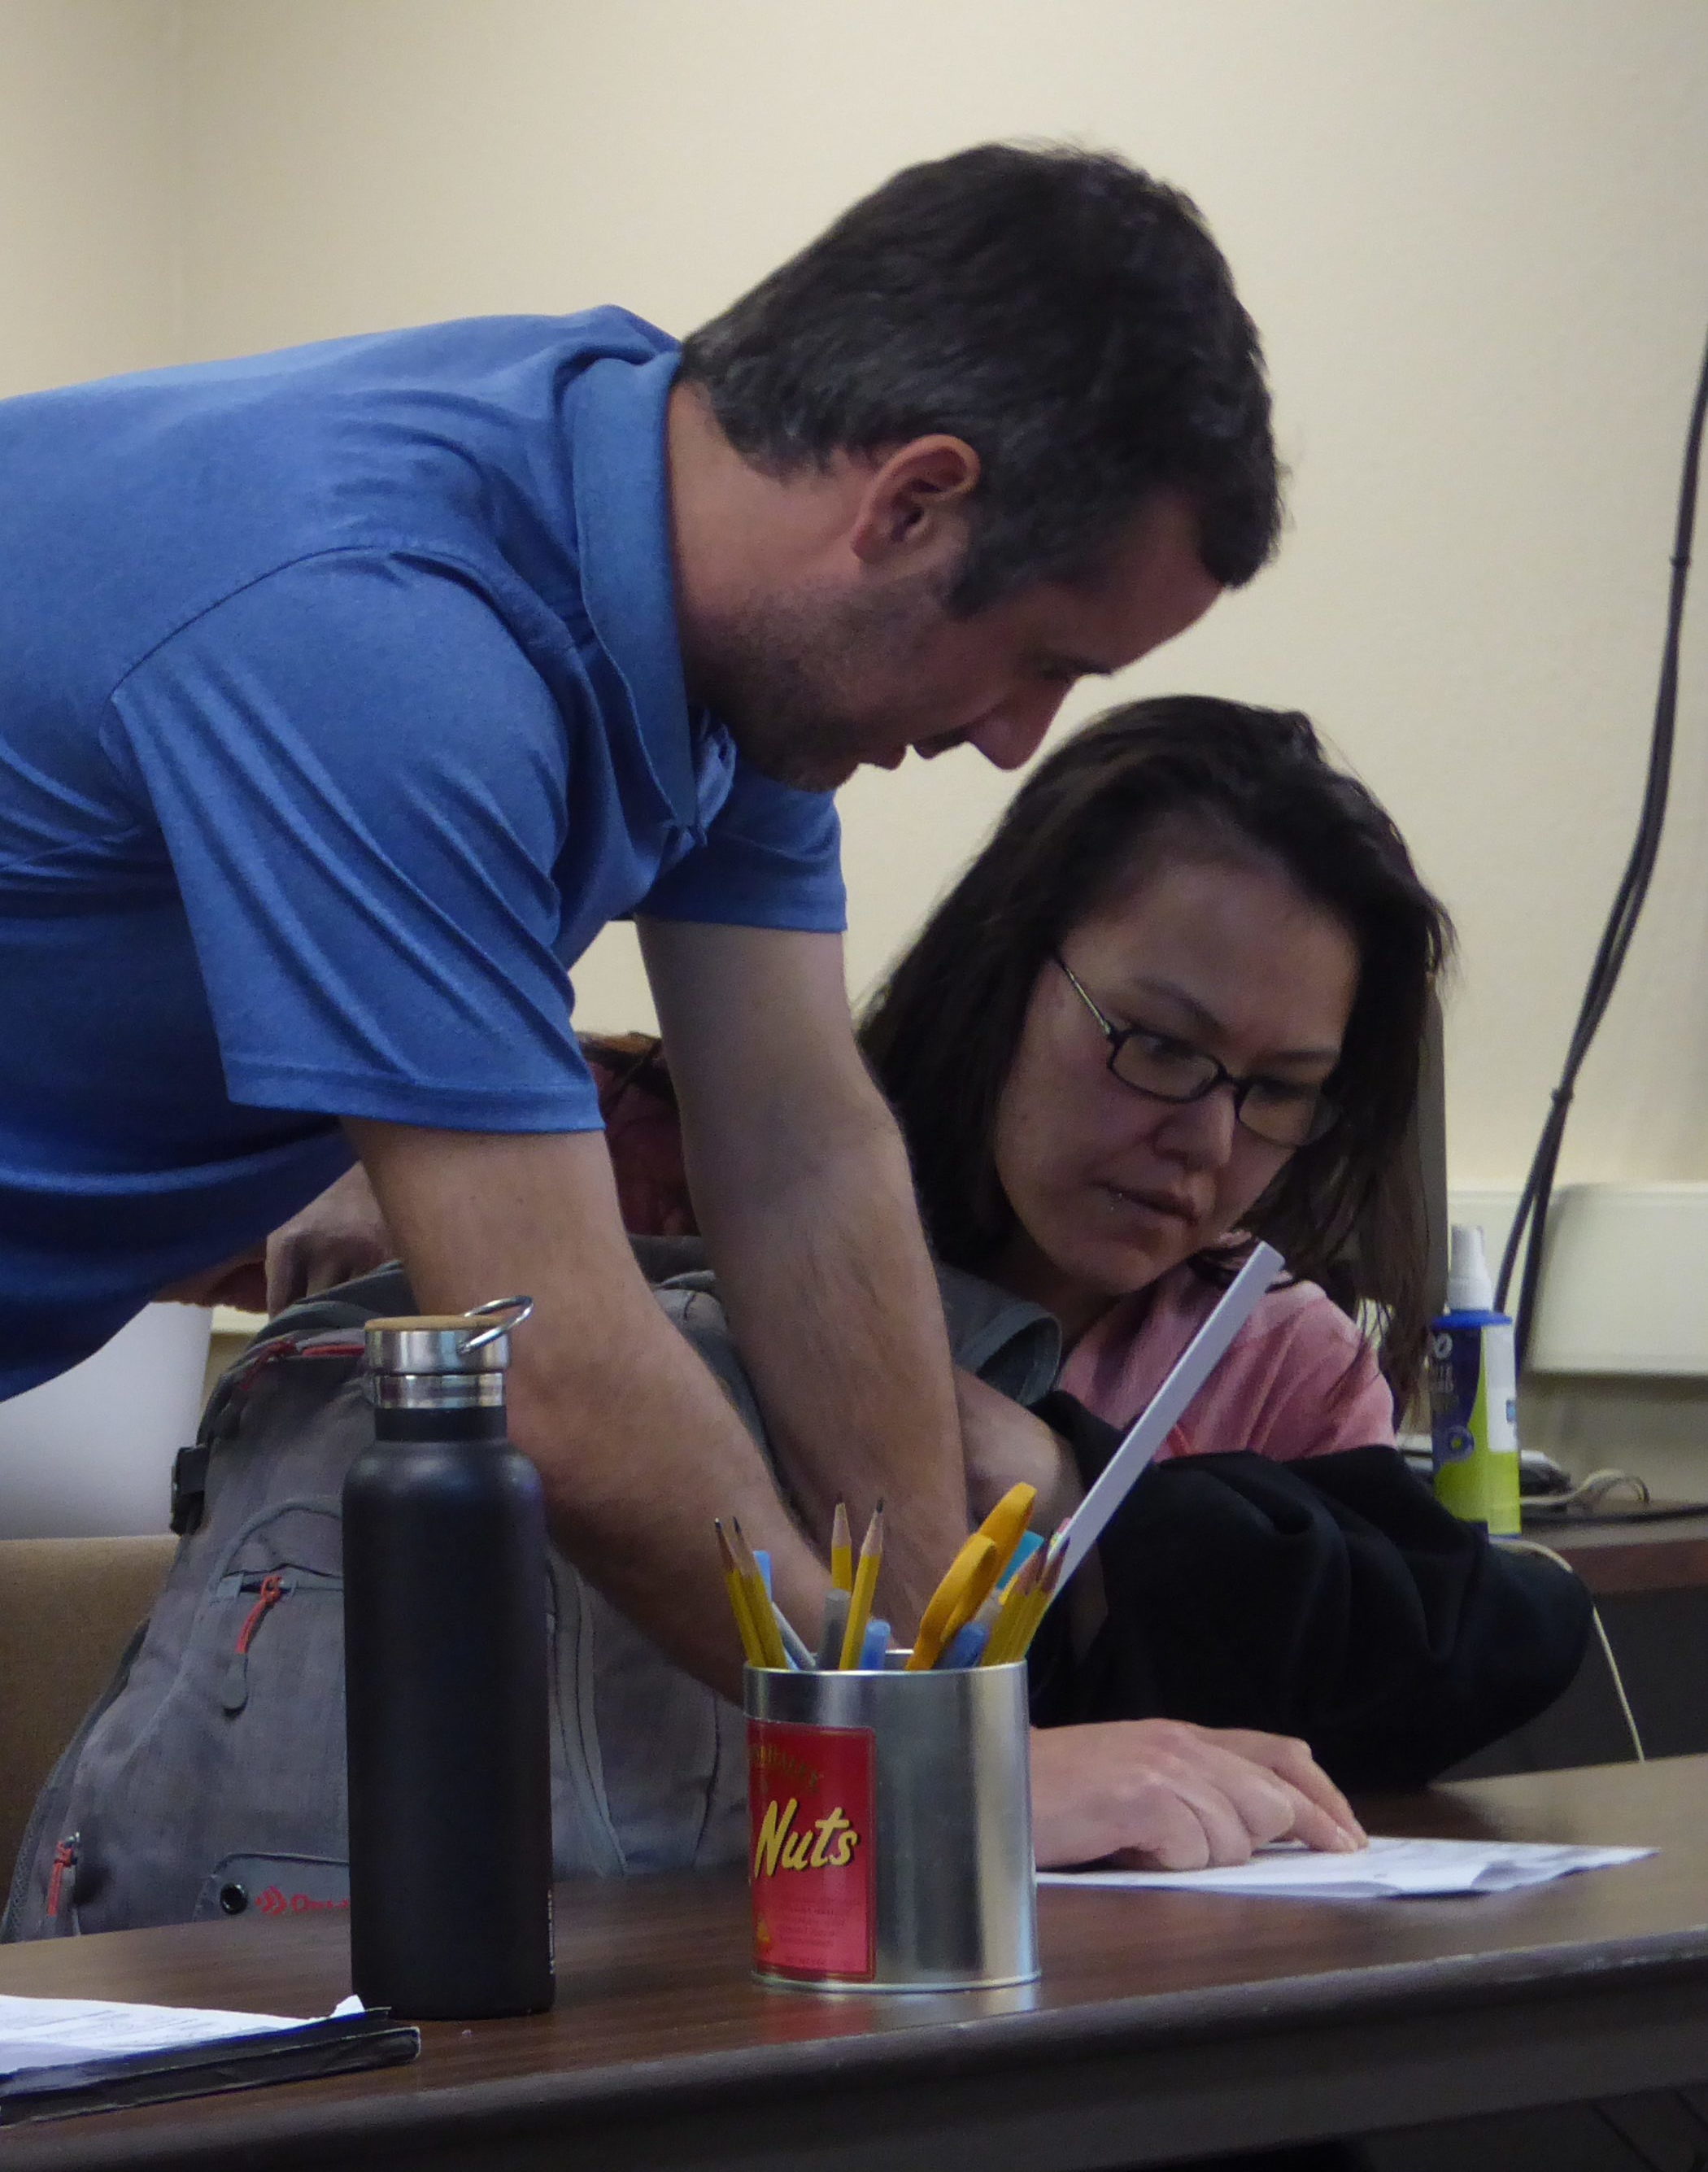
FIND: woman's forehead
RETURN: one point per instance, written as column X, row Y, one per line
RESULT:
column 1228, row 934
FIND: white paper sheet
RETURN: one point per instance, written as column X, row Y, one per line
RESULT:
column 49, row 2032
column 1387, row 1870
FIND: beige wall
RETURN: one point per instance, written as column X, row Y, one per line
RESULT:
column 1475, row 233
column 90, row 199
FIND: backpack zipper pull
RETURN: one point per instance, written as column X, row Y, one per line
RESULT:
column 64, row 1868
column 235, row 1693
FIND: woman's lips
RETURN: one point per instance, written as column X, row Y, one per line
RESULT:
column 1166, row 1203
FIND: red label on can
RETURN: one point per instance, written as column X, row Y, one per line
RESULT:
column 812, row 1813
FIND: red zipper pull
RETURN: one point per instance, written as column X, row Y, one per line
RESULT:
column 271, row 1592
column 235, row 1693
column 64, row 1863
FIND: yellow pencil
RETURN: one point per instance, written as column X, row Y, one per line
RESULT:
column 999, row 1649
column 965, row 1586
column 865, row 1590
column 738, row 1600
column 766, row 1633
column 841, row 1549
column 1043, row 1592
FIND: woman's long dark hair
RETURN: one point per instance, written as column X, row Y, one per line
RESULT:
column 1347, row 1212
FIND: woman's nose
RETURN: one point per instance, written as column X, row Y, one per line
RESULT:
column 1200, row 1133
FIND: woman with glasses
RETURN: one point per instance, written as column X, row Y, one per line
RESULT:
column 1178, row 1003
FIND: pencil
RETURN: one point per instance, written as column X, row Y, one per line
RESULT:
column 841, row 1549
column 865, row 1590
column 738, row 1600
column 999, row 1651
column 794, row 1644
column 766, row 1633
column 836, row 1604
column 1042, row 1593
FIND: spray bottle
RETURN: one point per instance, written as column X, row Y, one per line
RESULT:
column 1473, row 1393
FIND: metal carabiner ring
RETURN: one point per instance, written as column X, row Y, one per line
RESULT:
column 519, row 1308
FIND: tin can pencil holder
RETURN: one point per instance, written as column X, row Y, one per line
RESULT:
column 890, row 1828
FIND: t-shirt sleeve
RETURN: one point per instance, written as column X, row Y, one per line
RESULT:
column 1316, row 1386
column 362, row 783
column 771, row 858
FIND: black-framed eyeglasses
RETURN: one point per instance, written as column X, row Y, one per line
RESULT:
column 1276, row 1110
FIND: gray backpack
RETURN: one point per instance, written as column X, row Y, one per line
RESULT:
column 208, row 1778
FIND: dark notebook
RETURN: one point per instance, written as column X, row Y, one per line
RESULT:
column 53, row 2089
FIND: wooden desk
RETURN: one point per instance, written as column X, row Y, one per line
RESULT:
column 1649, row 1582
column 1617, row 1559
column 1166, row 2025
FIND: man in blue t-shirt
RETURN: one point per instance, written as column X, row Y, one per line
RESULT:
column 346, row 692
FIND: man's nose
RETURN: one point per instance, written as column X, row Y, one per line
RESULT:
column 1014, row 734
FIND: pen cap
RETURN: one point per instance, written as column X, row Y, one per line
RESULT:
column 1470, row 1288
column 444, row 1360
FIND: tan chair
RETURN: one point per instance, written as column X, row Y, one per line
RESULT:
column 67, row 1607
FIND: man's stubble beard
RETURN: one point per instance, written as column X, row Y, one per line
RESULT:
column 785, row 679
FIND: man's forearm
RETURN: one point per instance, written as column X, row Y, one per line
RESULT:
column 835, row 1310
column 638, row 1451
column 636, row 1446
column 801, row 1185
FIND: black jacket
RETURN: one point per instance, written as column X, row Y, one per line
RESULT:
column 1331, row 1598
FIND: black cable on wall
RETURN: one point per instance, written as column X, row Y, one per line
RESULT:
column 1627, row 907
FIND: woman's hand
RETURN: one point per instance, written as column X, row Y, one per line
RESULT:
column 1162, row 1794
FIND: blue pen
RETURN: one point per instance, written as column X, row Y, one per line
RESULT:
column 795, row 1650
column 877, row 1644
column 966, row 1645
column 1029, row 1545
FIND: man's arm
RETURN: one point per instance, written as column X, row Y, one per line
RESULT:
column 802, row 1190
column 637, row 1447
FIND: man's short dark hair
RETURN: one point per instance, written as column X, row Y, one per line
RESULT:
column 1067, row 315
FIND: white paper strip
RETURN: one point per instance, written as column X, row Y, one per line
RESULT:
column 1152, row 1428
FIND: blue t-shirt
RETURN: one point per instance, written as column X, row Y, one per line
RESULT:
column 340, row 706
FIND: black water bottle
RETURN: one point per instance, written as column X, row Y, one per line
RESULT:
column 445, row 1681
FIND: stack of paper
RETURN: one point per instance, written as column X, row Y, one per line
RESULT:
column 52, row 2032
column 1387, row 1869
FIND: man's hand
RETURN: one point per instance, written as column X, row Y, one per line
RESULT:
column 1162, row 1794
column 341, row 1234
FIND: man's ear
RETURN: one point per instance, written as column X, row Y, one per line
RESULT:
column 914, row 505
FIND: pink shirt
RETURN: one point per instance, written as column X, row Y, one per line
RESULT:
column 1298, row 1378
